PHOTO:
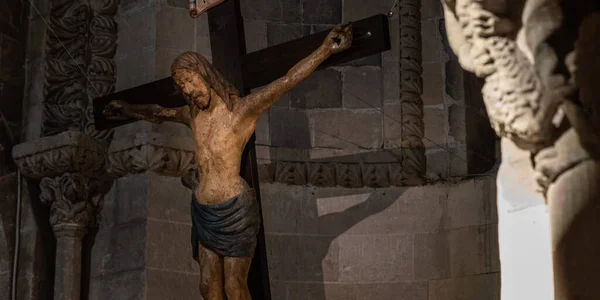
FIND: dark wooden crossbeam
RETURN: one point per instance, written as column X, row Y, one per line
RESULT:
column 162, row 92
column 371, row 36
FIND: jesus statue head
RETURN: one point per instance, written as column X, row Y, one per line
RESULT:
column 197, row 77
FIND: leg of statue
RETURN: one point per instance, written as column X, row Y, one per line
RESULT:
column 574, row 204
column 211, row 274
column 236, row 278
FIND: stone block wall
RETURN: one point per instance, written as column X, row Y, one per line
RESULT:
column 323, row 111
column 143, row 250
column 458, row 135
column 434, row 242
column 341, row 243
column 430, row 242
column 356, row 108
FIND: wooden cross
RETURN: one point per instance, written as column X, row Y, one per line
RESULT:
column 245, row 72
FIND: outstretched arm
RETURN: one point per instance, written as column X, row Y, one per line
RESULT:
column 121, row 110
column 339, row 39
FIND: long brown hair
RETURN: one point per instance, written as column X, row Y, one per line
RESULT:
column 195, row 62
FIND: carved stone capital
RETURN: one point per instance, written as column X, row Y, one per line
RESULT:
column 67, row 152
column 74, row 200
column 522, row 93
column 71, row 166
column 164, row 155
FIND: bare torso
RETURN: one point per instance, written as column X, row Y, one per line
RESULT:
column 220, row 137
column 222, row 127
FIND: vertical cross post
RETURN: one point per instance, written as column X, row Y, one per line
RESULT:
column 228, row 47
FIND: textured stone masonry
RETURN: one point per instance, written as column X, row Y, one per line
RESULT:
column 415, row 242
column 430, row 242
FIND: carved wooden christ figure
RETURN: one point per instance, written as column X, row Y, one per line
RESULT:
column 225, row 213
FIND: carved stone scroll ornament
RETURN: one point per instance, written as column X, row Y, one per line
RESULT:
column 411, row 89
column 71, row 166
column 334, row 174
column 174, row 156
column 80, row 46
column 67, row 152
column 168, row 156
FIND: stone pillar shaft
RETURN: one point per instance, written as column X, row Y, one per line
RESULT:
column 67, row 281
column 551, row 116
column 523, row 229
column 575, row 218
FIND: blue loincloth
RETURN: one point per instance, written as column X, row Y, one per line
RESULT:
column 229, row 228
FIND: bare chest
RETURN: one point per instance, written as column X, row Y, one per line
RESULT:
column 219, row 133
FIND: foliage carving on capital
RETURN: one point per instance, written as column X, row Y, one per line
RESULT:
column 151, row 153
column 67, row 152
column 73, row 199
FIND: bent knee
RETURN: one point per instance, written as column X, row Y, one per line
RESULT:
column 210, row 290
column 235, row 286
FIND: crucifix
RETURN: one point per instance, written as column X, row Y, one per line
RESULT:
column 203, row 96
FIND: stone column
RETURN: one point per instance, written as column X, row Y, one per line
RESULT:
column 71, row 168
column 68, row 260
column 523, row 229
column 539, row 64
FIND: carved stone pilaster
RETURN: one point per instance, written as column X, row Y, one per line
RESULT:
column 539, row 61
column 527, row 97
column 71, row 168
column 80, row 46
column 411, row 89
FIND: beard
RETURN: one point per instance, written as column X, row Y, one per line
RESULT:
column 196, row 99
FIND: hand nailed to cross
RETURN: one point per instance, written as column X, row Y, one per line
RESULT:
column 339, row 39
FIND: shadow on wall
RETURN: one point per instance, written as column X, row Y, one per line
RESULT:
column 301, row 265
column 431, row 242
column 301, row 236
